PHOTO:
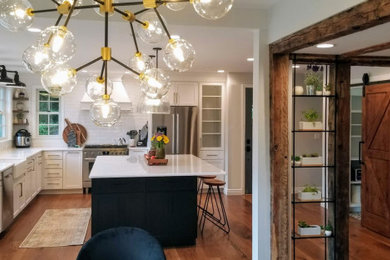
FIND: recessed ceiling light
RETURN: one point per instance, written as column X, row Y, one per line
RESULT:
column 295, row 66
column 250, row 59
column 127, row 72
column 35, row 30
column 84, row 71
column 220, row 71
column 325, row 45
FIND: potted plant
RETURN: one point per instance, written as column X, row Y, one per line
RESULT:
column 328, row 90
column 311, row 120
column 311, row 160
column 296, row 160
column 312, row 81
column 309, row 193
column 327, row 230
column 299, row 90
column 319, row 90
column 308, row 230
column 159, row 140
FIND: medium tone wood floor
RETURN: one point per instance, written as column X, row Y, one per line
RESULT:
column 213, row 245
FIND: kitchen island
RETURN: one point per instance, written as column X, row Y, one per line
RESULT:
column 160, row 199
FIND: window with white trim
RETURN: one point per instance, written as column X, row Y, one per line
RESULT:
column 48, row 114
column 3, row 114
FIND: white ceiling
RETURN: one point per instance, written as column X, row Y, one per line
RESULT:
column 216, row 47
column 376, row 35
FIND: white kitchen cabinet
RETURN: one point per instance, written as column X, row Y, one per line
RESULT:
column 20, row 191
column 1, row 202
column 72, row 171
column 39, row 169
column 52, row 170
column 184, row 94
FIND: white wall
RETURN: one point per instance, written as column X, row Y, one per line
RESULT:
column 235, row 130
column 71, row 108
column 288, row 16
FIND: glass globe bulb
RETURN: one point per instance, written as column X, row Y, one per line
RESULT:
column 140, row 63
column 97, row 10
column 14, row 15
column 176, row 6
column 179, row 55
column 75, row 11
column 36, row 58
column 61, row 43
column 105, row 112
column 95, row 87
column 153, row 32
column 154, row 106
column 59, row 80
column 154, row 83
column 212, row 9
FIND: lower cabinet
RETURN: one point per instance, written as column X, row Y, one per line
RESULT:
column 215, row 158
column 20, row 191
column 72, row 171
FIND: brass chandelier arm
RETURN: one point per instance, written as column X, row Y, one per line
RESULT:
column 70, row 13
column 162, row 22
column 124, row 66
column 134, row 38
column 88, row 64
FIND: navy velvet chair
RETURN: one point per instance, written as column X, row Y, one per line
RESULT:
column 122, row 243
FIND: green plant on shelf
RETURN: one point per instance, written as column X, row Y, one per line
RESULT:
column 313, row 79
column 303, row 224
column 296, row 158
column 309, row 188
column 319, row 88
column 328, row 87
column 310, row 115
column 328, row 227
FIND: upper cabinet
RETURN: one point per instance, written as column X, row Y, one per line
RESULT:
column 183, row 94
column 211, row 117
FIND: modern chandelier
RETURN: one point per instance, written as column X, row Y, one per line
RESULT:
column 56, row 46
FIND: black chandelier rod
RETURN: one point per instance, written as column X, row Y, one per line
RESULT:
column 124, row 66
column 141, row 11
column 58, row 20
column 103, row 67
column 162, row 22
column 70, row 13
column 54, row 1
column 88, row 64
column 134, row 38
column 171, row 1
column 127, row 3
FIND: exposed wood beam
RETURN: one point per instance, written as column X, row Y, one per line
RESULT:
column 374, row 61
column 371, row 49
column 363, row 16
column 377, row 61
column 304, row 58
column 279, row 80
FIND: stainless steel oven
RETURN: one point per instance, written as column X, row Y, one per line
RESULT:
column 90, row 152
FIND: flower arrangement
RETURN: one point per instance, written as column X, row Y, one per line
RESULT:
column 159, row 140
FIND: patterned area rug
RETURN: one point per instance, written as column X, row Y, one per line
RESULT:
column 59, row 227
column 356, row 215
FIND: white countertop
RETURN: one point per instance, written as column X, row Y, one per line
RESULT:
column 135, row 166
column 15, row 156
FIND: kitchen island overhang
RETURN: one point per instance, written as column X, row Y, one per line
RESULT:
column 160, row 199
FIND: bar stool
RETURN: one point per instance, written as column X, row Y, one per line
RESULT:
column 218, row 218
column 200, row 189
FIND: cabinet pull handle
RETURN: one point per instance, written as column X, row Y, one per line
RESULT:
column 21, row 190
column 212, row 155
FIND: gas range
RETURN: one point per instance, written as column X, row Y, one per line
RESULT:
column 91, row 151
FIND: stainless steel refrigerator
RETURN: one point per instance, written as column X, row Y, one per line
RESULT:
column 181, row 127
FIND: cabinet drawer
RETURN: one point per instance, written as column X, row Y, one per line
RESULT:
column 52, row 183
column 51, row 173
column 52, row 155
column 211, row 155
column 52, row 164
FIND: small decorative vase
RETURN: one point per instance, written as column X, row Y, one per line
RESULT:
column 299, row 90
column 318, row 92
column 310, row 90
column 327, row 92
column 328, row 233
column 160, row 153
column 152, row 152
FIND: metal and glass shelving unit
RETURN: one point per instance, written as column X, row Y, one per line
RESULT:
column 326, row 205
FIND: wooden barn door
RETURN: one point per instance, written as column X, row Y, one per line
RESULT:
column 376, row 159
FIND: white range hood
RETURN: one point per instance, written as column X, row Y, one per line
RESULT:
column 119, row 95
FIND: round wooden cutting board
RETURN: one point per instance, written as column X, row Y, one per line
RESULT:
column 76, row 127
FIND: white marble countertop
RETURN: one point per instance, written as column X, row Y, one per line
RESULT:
column 5, row 166
column 135, row 166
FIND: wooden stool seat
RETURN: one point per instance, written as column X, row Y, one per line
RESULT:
column 214, row 182
column 208, row 176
